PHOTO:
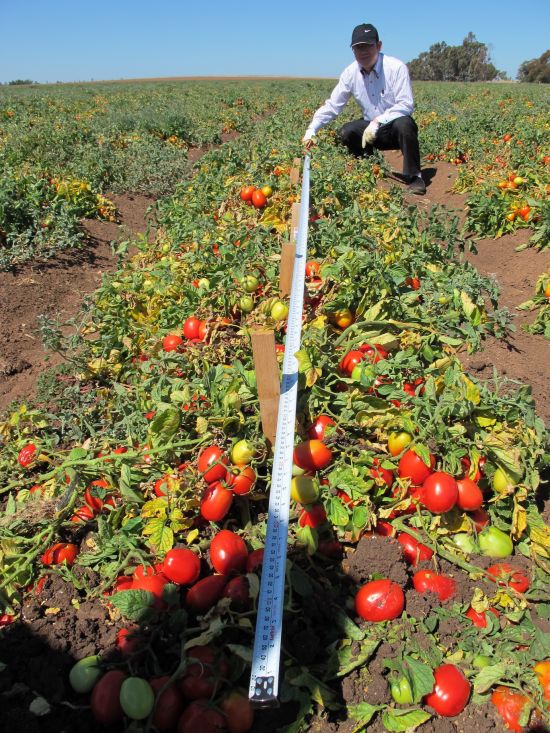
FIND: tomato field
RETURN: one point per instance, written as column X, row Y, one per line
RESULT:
column 136, row 478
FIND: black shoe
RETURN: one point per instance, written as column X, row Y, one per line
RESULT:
column 401, row 177
column 417, row 186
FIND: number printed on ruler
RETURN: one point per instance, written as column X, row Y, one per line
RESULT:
column 264, row 678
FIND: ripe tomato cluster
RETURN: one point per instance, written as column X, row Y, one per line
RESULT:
column 194, row 330
column 256, row 197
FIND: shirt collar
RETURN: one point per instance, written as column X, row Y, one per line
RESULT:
column 377, row 68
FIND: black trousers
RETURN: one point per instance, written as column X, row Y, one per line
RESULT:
column 400, row 134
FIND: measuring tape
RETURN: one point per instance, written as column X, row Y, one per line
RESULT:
column 264, row 679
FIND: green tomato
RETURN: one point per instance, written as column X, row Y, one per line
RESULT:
column 249, row 283
column 401, row 690
column 246, row 304
column 242, row 453
column 481, row 660
column 137, row 698
column 304, row 489
column 493, row 542
column 232, row 401
column 279, row 310
column 204, row 283
column 85, row 673
column 465, row 542
column 502, row 482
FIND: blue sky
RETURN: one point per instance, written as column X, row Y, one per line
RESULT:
column 77, row 41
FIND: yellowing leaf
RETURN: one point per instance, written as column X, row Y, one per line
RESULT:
column 192, row 536
column 307, row 368
column 472, row 392
column 155, row 508
column 540, row 540
column 519, row 520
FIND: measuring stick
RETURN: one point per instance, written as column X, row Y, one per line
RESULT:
column 264, row 679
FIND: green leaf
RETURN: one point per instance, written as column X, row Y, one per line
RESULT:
column 308, row 537
column 307, row 367
column 133, row 604
column 363, row 713
column 344, row 660
column 125, row 486
column 420, row 676
column 165, row 425
column 301, row 584
column 337, row 512
column 78, row 454
column 359, row 517
column 490, row 675
column 403, row 720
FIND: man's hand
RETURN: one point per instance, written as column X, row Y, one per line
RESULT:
column 369, row 135
column 308, row 143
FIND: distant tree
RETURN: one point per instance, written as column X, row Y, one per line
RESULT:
column 468, row 62
column 536, row 70
column 21, row 81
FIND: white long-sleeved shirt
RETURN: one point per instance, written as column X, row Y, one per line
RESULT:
column 384, row 93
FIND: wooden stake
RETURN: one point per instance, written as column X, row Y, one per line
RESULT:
column 288, row 254
column 267, row 378
column 295, row 171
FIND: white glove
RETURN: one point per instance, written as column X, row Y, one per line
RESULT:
column 369, row 135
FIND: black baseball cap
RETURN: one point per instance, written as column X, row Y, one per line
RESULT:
column 364, row 33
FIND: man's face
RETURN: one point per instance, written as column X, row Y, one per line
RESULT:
column 366, row 54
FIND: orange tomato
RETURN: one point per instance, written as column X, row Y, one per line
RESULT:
column 342, row 318
column 259, row 199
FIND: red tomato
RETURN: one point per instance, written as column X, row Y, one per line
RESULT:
column 480, row 517
column 380, row 474
column 207, row 668
column 95, row 495
column 509, row 704
column 259, row 199
column 349, row 361
column 311, row 455
column 168, row 705
column 238, row 591
column 238, row 712
column 508, row 575
column 413, row 282
column 212, row 464
column 442, row 585
column 82, row 514
column 206, row 593
column 384, row 529
column 181, row 565
column 191, row 327
column 439, row 492
column 129, row 640
column 319, row 428
column 411, row 466
column 255, row 560
column 312, row 268
column 155, row 585
column 60, row 552
column 216, row 502
column 199, row 717
column 241, row 479
column 479, row 619
column 171, row 342
column 246, row 193
column 161, row 486
column 374, row 353
column 413, row 550
column 27, row 455
column 123, row 582
column 470, row 497
column 330, row 548
column 201, row 335
column 6, row 619
column 379, row 600
column 312, row 517
column 144, row 571
column 228, row 553
column 105, row 701
column 451, row 691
